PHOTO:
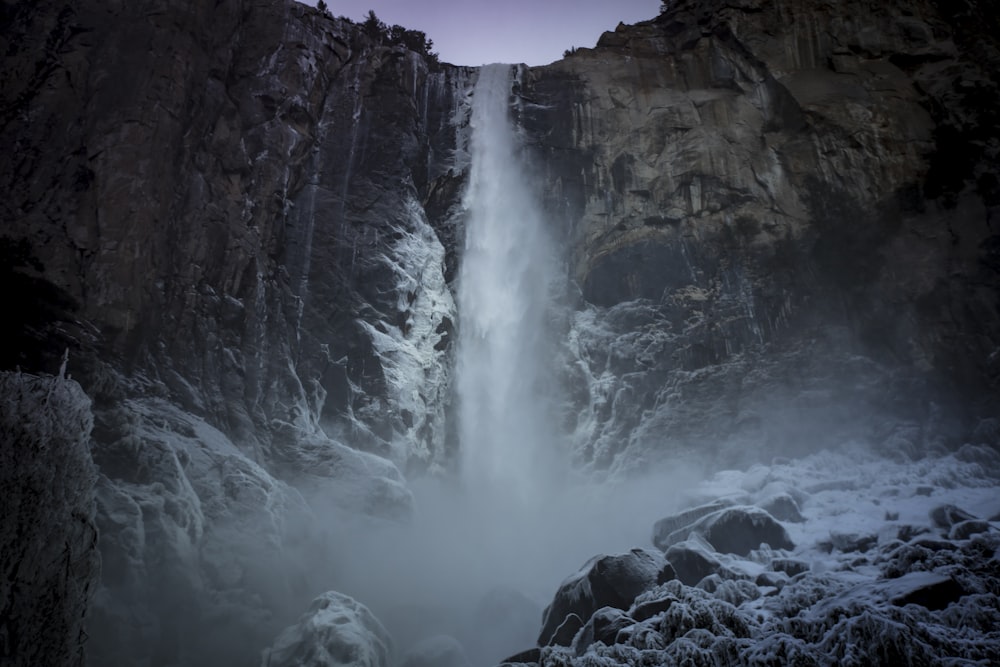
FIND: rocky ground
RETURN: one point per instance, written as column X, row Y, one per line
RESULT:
column 842, row 558
column 831, row 559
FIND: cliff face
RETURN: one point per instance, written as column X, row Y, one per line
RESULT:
column 783, row 214
column 241, row 174
column 244, row 220
column 225, row 213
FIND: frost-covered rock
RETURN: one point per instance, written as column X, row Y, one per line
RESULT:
column 603, row 626
column 932, row 600
column 946, row 516
column 692, row 560
column 670, row 530
column 337, row 631
column 728, row 529
column 603, row 581
column 197, row 541
column 965, row 529
column 48, row 537
column 337, row 475
column 783, row 507
column 740, row 530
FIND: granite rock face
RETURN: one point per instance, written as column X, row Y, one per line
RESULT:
column 778, row 214
column 243, row 219
column 48, row 537
column 234, row 215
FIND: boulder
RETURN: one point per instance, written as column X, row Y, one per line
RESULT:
column 927, row 589
column 789, row 566
column 337, row 631
column 740, row 530
column 965, row 529
column 603, row 581
column 782, row 507
column 853, row 542
column 564, row 634
column 666, row 530
column 946, row 516
column 602, row 627
column 692, row 561
column 640, row 612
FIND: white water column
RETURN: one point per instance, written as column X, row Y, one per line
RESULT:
column 506, row 390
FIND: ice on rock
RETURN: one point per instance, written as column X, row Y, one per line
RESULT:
column 736, row 530
column 411, row 344
column 349, row 479
column 188, row 522
column 337, row 631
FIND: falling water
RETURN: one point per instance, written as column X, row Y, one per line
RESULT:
column 482, row 558
column 505, row 391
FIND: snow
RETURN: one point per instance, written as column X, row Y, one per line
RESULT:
column 408, row 343
column 928, row 600
column 337, row 631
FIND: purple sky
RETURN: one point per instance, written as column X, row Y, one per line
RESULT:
column 476, row 32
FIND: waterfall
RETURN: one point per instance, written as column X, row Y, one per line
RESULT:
column 505, row 294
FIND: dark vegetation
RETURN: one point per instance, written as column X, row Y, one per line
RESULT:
column 392, row 35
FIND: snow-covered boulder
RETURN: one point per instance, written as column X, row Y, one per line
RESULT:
column 783, row 507
column 602, row 627
column 740, row 530
column 337, row 631
column 669, row 529
column 946, row 516
column 692, row 560
column 603, row 581
column 729, row 529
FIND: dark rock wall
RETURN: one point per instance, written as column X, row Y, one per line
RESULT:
column 784, row 214
column 231, row 214
column 48, row 537
column 213, row 188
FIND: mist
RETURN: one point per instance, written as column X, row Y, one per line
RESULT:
column 487, row 548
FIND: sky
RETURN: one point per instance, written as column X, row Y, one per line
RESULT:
column 477, row 32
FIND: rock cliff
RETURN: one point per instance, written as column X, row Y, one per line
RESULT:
column 225, row 214
column 780, row 215
column 243, row 220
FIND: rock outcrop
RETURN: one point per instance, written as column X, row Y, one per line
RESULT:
column 48, row 538
column 337, row 631
column 773, row 209
column 233, row 216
